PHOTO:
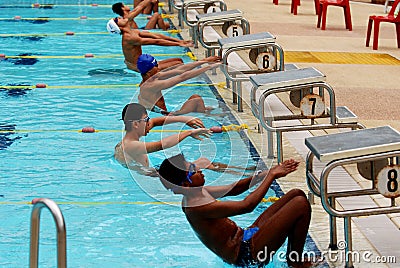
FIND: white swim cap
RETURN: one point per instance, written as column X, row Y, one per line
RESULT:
column 112, row 27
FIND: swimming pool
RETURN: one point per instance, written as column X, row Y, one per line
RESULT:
column 113, row 217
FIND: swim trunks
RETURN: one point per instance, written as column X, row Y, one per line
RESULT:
column 157, row 109
column 131, row 66
column 245, row 258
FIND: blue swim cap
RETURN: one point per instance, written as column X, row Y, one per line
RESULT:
column 145, row 63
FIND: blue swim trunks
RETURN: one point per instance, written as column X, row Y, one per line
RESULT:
column 245, row 258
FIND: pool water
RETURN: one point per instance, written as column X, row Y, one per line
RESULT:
column 114, row 217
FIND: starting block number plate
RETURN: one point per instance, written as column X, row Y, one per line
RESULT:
column 312, row 105
column 388, row 181
column 213, row 9
column 234, row 30
column 266, row 61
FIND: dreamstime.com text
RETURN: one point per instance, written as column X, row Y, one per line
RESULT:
column 336, row 256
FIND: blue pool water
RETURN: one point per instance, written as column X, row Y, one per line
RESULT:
column 113, row 216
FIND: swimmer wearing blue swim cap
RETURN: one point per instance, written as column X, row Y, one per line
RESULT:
column 145, row 63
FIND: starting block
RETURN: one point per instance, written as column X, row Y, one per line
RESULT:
column 264, row 52
column 307, row 89
column 233, row 24
column 208, row 6
column 379, row 147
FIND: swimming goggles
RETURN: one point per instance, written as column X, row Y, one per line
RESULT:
column 191, row 171
column 146, row 119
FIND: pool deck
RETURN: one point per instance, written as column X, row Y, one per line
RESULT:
column 357, row 80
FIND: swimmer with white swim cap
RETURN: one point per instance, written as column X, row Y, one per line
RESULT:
column 133, row 39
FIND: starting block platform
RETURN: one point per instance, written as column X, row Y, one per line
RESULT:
column 233, row 24
column 307, row 91
column 263, row 51
column 376, row 152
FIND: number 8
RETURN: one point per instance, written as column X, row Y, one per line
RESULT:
column 392, row 184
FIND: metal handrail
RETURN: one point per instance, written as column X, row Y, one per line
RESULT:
column 198, row 3
column 201, row 25
column 38, row 205
column 234, row 78
column 354, row 212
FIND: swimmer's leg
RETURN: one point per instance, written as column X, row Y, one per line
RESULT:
column 288, row 217
column 194, row 104
column 164, row 64
column 162, row 24
column 152, row 23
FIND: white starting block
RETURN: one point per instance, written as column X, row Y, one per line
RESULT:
column 307, row 89
column 361, row 147
column 208, row 6
column 263, row 51
column 233, row 24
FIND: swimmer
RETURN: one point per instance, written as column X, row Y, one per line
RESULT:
column 152, row 7
column 154, row 82
column 289, row 217
column 155, row 20
column 133, row 40
column 132, row 153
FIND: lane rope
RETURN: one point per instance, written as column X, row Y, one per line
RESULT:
column 18, row 18
column 103, row 203
column 65, row 5
column 172, row 31
column 80, row 130
column 106, row 56
column 130, row 86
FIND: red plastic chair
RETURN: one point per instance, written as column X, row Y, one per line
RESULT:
column 293, row 6
column 296, row 3
column 377, row 20
column 322, row 10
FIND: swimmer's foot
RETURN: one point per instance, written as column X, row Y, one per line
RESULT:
column 208, row 109
column 251, row 168
column 306, row 263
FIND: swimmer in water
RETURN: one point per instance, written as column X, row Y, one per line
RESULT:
column 132, row 153
column 288, row 218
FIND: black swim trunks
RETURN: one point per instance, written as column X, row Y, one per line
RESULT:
column 245, row 258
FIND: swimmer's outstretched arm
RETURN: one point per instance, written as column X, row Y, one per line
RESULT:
column 138, row 147
column 235, row 188
column 157, row 84
column 231, row 208
column 181, row 68
column 191, row 121
column 157, row 36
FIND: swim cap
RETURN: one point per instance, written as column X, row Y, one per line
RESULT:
column 145, row 63
column 112, row 27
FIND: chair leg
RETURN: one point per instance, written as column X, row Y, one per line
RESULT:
column 398, row 34
column 293, row 8
column 369, row 29
column 319, row 15
column 324, row 11
column 347, row 17
column 316, row 5
column 376, row 35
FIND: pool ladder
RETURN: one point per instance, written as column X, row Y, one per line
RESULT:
column 38, row 204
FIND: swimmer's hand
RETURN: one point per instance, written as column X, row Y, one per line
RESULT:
column 199, row 133
column 212, row 59
column 194, row 122
column 284, row 168
column 214, row 65
column 186, row 43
